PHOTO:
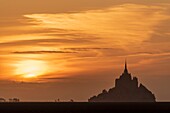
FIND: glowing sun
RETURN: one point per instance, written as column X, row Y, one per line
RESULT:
column 31, row 75
column 31, row 68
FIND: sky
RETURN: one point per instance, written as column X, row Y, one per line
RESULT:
column 74, row 49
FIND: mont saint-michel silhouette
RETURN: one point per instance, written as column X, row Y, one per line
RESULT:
column 126, row 90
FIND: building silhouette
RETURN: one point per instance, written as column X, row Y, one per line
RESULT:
column 126, row 90
column 2, row 100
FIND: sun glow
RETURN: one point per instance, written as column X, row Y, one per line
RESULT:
column 31, row 68
column 30, row 75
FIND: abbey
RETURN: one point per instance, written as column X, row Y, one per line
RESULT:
column 126, row 89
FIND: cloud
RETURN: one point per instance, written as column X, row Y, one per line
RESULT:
column 58, row 78
column 42, row 52
column 159, row 40
column 161, row 34
column 87, row 49
column 27, row 30
column 117, row 24
column 49, row 41
column 20, row 7
column 90, row 44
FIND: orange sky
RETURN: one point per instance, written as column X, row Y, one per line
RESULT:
column 58, row 48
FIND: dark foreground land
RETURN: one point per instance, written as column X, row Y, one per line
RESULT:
column 75, row 107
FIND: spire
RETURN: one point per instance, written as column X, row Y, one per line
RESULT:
column 126, row 70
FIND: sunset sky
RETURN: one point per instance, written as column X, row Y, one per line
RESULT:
column 73, row 49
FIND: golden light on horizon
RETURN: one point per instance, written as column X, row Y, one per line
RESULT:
column 31, row 68
column 31, row 75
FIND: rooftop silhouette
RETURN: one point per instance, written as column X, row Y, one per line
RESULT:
column 126, row 89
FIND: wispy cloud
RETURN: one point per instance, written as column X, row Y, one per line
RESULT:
column 110, row 23
column 42, row 52
column 87, row 49
column 45, row 42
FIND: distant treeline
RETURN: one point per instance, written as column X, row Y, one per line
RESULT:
column 9, row 100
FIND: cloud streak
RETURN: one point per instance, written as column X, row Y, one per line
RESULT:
column 42, row 52
column 49, row 41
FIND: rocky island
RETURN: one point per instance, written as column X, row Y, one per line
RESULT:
column 126, row 89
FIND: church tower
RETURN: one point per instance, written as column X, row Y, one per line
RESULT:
column 126, row 75
column 124, row 79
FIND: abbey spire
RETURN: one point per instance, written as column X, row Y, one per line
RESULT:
column 125, row 70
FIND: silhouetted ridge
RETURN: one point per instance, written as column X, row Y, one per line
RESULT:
column 126, row 90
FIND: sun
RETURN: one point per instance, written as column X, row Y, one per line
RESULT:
column 31, row 68
column 31, row 75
